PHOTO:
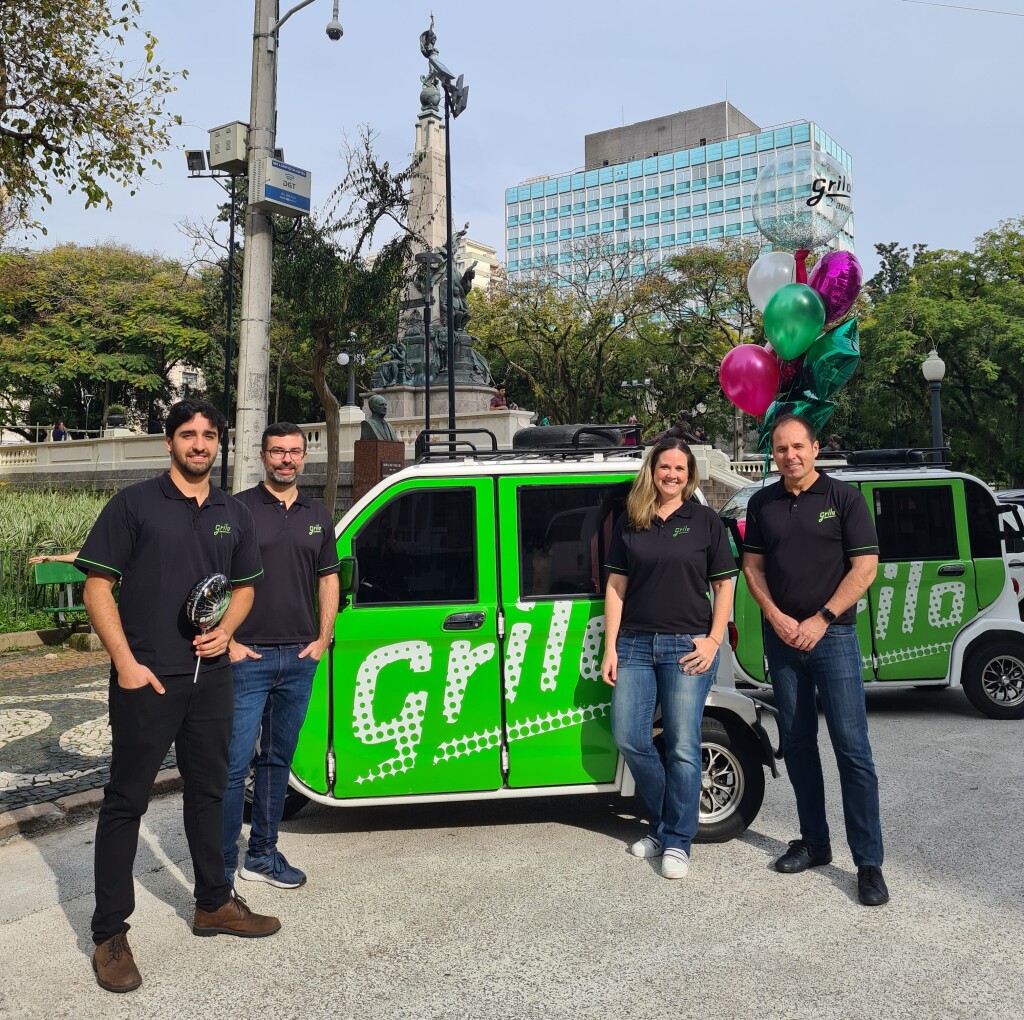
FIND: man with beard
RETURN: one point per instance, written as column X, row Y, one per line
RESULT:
column 275, row 652
column 158, row 538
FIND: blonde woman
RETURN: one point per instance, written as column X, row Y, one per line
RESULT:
column 662, row 640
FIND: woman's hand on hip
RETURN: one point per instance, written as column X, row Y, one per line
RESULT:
column 609, row 667
column 699, row 660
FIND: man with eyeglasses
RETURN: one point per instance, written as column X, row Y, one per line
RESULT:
column 275, row 654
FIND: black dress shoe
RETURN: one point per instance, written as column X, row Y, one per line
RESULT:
column 800, row 856
column 871, row 888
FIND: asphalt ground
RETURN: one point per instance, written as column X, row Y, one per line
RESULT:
column 532, row 909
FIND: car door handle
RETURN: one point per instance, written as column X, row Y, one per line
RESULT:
column 464, row 621
column 1016, row 563
column 951, row 569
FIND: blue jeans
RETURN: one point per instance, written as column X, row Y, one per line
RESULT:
column 271, row 698
column 648, row 675
column 832, row 667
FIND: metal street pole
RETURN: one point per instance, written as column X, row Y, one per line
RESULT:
column 257, row 268
column 224, row 442
column 429, row 260
column 937, row 440
column 451, row 260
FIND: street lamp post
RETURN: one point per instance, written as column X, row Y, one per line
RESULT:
column 430, row 261
column 197, row 168
column 933, row 368
column 635, row 388
column 257, row 269
column 87, row 399
column 344, row 358
column 456, row 97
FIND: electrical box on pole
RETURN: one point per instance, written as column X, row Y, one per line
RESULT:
column 228, row 148
column 278, row 187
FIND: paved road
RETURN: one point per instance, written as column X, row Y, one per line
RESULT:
column 533, row 909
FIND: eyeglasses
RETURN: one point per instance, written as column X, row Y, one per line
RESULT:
column 276, row 453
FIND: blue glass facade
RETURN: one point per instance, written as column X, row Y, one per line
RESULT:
column 666, row 202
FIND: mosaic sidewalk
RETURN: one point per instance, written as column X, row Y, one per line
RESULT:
column 54, row 732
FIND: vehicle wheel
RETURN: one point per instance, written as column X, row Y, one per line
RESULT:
column 732, row 781
column 993, row 678
column 294, row 802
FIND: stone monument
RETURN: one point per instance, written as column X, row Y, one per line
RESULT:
column 412, row 358
column 378, row 452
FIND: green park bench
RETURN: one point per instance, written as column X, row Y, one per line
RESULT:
column 62, row 579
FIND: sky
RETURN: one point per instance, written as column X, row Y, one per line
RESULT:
column 925, row 98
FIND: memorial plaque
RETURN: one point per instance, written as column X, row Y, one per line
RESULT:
column 374, row 459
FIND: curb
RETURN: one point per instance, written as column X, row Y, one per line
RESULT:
column 34, row 819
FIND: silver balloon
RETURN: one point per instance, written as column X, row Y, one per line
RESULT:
column 206, row 604
column 802, row 199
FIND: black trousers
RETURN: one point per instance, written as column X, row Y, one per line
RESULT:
column 196, row 718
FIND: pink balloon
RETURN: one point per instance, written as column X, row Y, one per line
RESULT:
column 789, row 370
column 837, row 279
column 750, row 378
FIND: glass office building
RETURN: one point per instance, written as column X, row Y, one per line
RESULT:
column 663, row 203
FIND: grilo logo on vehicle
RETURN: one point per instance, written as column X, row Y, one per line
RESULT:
column 430, row 715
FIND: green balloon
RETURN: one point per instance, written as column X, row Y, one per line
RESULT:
column 817, row 412
column 831, row 360
column 794, row 316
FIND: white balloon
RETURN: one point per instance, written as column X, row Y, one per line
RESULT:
column 771, row 272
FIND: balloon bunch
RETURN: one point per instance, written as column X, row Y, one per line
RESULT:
column 801, row 200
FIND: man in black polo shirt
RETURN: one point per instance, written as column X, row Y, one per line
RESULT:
column 275, row 652
column 810, row 552
column 158, row 538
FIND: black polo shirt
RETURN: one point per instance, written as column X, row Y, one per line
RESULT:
column 297, row 547
column 807, row 542
column 669, row 569
column 159, row 542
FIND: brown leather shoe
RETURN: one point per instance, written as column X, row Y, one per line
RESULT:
column 234, row 918
column 115, row 966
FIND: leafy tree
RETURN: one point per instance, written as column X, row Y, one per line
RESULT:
column 711, row 312
column 74, row 318
column 564, row 338
column 327, row 288
column 970, row 307
column 72, row 112
column 894, row 270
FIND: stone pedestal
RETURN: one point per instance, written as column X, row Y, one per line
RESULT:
column 410, row 401
column 374, row 459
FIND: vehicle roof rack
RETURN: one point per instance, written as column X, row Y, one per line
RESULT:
column 912, row 456
column 482, row 444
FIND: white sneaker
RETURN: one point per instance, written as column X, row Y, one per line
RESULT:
column 674, row 864
column 646, row 847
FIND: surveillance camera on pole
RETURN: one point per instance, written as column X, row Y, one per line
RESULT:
column 334, row 29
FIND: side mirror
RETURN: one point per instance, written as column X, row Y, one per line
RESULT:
column 348, row 575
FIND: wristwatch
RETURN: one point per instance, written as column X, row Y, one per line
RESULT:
column 827, row 615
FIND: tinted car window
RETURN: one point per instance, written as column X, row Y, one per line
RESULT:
column 982, row 521
column 564, row 531
column 419, row 547
column 916, row 523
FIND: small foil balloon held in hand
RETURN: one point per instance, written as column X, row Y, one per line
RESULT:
column 206, row 604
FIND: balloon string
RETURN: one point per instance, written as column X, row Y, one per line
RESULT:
column 801, row 265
